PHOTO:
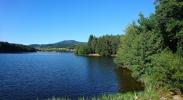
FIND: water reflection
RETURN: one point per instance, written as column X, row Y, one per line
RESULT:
column 44, row 75
column 126, row 82
column 103, row 68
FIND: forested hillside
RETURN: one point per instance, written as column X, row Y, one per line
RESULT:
column 6, row 47
column 70, row 44
column 104, row 46
column 152, row 48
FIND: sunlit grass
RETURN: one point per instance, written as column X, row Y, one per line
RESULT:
column 148, row 94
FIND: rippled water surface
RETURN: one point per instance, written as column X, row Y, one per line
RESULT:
column 29, row 76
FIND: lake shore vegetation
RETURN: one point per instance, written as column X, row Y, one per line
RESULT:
column 99, row 46
column 152, row 48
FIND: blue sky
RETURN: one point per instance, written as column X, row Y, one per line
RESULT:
column 49, row 21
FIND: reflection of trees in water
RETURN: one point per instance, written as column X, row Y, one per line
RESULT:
column 98, row 67
column 101, row 69
column 100, row 75
column 126, row 82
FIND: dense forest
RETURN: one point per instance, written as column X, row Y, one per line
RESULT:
column 104, row 46
column 152, row 47
column 6, row 47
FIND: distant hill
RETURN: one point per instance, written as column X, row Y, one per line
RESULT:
column 62, row 44
column 6, row 47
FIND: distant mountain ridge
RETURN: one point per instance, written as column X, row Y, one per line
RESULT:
column 61, row 44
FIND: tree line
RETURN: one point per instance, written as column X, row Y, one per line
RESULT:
column 105, row 45
column 152, row 47
column 6, row 47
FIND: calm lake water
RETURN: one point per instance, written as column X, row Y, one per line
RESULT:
column 29, row 76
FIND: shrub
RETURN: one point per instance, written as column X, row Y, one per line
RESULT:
column 167, row 70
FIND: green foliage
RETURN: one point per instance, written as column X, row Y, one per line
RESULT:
column 169, row 16
column 92, row 42
column 82, row 50
column 168, row 70
column 109, row 45
column 143, row 47
column 105, row 46
column 138, row 46
column 125, row 51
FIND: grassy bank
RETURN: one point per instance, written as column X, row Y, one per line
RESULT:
column 148, row 94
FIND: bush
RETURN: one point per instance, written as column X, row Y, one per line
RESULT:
column 167, row 70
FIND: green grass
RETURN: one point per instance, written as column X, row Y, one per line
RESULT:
column 119, row 96
column 148, row 94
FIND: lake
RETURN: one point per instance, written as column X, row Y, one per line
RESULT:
column 28, row 76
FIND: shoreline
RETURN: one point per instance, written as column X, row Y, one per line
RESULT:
column 98, row 55
column 94, row 55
